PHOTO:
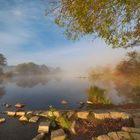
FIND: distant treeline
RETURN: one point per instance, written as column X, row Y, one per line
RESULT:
column 29, row 69
column 32, row 68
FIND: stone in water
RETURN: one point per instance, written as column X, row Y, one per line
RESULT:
column 58, row 135
column 19, row 105
column 44, row 127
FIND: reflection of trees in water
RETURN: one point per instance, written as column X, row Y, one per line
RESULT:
column 2, row 92
column 32, row 81
column 2, row 89
column 97, row 95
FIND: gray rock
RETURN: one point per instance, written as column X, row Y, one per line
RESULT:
column 7, row 105
column 58, row 135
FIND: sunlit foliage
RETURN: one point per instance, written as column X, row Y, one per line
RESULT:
column 115, row 21
column 97, row 95
column 130, row 67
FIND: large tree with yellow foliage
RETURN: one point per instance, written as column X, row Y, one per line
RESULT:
column 115, row 21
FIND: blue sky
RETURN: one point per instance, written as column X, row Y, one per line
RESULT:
column 26, row 34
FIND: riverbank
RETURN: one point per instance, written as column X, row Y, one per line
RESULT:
column 77, row 125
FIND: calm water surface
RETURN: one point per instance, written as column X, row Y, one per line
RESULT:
column 37, row 93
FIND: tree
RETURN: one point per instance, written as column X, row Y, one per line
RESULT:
column 3, row 61
column 130, row 67
column 115, row 21
column 32, row 68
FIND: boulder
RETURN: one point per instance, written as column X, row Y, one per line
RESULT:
column 19, row 105
column 21, row 113
column 58, row 135
column 34, row 119
column 89, row 102
column 44, row 127
column 7, row 105
column 23, row 119
column 2, row 120
column 64, row 102
column 83, row 114
column 39, row 136
column 10, row 113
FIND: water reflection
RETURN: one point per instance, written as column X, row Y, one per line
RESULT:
column 2, row 89
column 40, row 92
column 32, row 81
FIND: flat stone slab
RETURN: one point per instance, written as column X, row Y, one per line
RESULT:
column 34, row 119
column 21, row 113
column 123, row 135
column 44, row 127
column 135, row 136
column 113, row 135
column 39, row 136
column 58, row 135
column 102, row 116
column 104, row 137
column 83, row 114
column 117, row 115
column 11, row 113
column 131, row 129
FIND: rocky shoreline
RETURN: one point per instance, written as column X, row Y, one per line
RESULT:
column 73, row 124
